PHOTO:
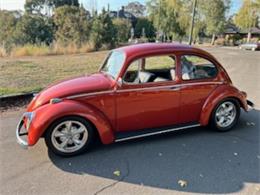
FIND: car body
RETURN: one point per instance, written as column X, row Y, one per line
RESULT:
column 250, row 46
column 140, row 90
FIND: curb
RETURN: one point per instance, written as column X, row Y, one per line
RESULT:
column 16, row 100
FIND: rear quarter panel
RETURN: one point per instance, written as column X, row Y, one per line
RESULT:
column 220, row 93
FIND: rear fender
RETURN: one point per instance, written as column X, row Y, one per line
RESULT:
column 220, row 93
column 48, row 113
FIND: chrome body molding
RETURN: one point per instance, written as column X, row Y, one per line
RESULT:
column 89, row 94
column 157, row 132
column 174, row 87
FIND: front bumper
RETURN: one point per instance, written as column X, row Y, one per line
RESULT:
column 22, row 131
column 250, row 105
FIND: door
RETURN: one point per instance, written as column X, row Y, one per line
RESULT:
column 198, row 76
column 149, row 96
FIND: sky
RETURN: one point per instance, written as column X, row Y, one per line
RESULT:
column 114, row 4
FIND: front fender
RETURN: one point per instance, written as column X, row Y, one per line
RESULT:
column 48, row 113
column 222, row 92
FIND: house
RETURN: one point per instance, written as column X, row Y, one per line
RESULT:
column 123, row 14
column 232, row 30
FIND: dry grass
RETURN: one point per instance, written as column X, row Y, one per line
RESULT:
column 3, row 52
column 27, row 74
column 72, row 48
column 44, row 50
column 30, row 50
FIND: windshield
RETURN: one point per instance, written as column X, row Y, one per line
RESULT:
column 113, row 63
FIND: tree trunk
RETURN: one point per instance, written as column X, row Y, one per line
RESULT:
column 248, row 37
column 213, row 39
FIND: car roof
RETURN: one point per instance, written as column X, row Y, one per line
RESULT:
column 149, row 48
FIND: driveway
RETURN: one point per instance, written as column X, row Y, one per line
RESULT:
column 210, row 162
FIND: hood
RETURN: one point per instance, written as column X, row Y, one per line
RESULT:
column 79, row 85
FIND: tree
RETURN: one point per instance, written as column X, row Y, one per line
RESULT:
column 72, row 24
column 215, row 16
column 165, row 15
column 60, row 3
column 33, row 29
column 8, row 20
column 147, row 25
column 45, row 7
column 173, row 17
column 135, row 8
column 37, row 6
column 103, row 31
column 123, row 27
column 247, row 17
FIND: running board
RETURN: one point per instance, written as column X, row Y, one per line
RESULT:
column 145, row 133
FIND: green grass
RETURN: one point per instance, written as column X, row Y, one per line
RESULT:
column 28, row 74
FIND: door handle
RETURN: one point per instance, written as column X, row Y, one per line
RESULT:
column 177, row 88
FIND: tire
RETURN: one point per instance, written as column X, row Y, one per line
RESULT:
column 230, row 117
column 69, row 136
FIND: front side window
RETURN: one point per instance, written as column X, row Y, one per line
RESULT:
column 151, row 69
column 114, row 63
column 195, row 67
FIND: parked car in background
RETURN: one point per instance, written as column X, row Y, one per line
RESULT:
column 140, row 90
column 250, row 46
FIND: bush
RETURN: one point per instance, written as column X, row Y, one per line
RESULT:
column 123, row 27
column 103, row 31
column 147, row 25
column 33, row 29
column 220, row 41
column 72, row 24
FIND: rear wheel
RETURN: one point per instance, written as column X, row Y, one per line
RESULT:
column 69, row 136
column 225, row 115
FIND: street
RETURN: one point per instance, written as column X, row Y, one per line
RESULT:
column 210, row 162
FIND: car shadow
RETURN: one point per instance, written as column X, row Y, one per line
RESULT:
column 210, row 162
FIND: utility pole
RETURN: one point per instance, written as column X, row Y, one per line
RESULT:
column 192, row 21
column 159, row 20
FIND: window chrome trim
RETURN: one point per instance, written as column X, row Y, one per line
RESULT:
column 177, row 86
column 170, row 55
column 205, row 58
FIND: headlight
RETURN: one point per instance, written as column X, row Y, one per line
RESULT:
column 28, row 117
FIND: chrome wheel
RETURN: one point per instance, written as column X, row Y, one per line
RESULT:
column 225, row 114
column 69, row 136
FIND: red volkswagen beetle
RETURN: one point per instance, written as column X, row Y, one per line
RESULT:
column 140, row 90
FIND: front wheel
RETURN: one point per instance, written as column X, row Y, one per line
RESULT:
column 225, row 115
column 69, row 136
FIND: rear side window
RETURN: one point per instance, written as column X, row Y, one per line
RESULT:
column 196, row 67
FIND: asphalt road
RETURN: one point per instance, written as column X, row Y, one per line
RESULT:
column 210, row 162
